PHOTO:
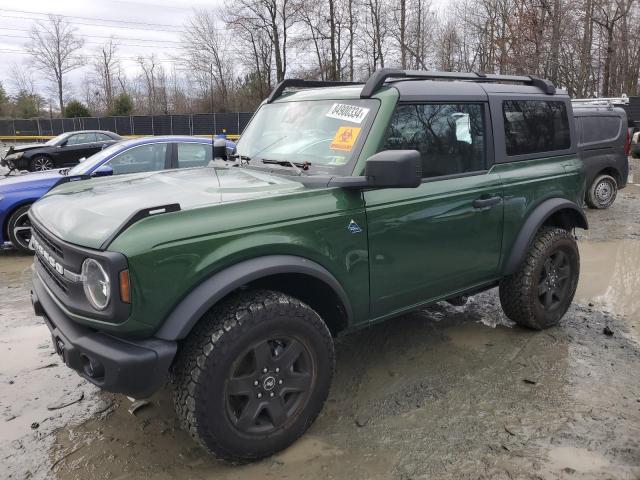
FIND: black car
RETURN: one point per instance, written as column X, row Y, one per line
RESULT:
column 62, row 151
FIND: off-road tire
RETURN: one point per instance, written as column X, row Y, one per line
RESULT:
column 519, row 292
column 206, row 362
column 20, row 244
column 602, row 192
column 35, row 165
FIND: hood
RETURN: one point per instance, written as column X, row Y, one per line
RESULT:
column 29, row 180
column 24, row 147
column 86, row 213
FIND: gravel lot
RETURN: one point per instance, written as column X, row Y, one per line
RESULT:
column 443, row 393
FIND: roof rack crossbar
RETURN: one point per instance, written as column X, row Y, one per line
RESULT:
column 589, row 102
column 379, row 77
column 299, row 83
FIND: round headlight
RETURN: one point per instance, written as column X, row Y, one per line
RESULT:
column 96, row 283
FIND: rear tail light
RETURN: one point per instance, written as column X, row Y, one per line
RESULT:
column 627, row 145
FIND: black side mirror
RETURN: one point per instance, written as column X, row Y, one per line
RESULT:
column 219, row 148
column 394, row 169
column 102, row 171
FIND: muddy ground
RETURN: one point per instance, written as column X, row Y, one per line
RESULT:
column 443, row 393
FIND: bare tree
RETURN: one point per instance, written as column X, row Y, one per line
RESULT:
column 22, row 79
column 205, row 52
column 148, row 66
column 54, row 49
column 609, row 14
column 275, row 18
column 105, row 66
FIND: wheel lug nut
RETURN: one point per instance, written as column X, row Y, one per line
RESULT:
column 255, row 383
column 279, row 382
column 264, row 370
column 259, row 395
column 271, row 394
column 277, row 370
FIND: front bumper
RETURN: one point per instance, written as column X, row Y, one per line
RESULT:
column 135, row 368
column 9, row 163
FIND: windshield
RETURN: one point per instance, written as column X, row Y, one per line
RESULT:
column 327, row 134
column 87, row 165
column 56, row 140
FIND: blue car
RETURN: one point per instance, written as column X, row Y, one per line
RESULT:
column 18, row 192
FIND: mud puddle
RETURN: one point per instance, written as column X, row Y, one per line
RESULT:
column 610, row 279
column 38, row 395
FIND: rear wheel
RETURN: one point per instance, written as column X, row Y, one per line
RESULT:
column 253, row 375
column 19, row 229
column 541, row 291
column 603, row 192
column 41, row 163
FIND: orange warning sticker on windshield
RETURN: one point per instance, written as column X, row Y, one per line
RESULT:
column 345, row 139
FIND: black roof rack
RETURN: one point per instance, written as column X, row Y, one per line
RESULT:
column 376, row 81
column 379, row 77
column 299, row 83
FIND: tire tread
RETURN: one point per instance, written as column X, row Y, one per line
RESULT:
column 514, row 289
column 207, row 344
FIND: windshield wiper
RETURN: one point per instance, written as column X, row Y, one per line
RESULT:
column 288, row 163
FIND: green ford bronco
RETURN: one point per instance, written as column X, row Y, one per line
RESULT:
column 344, row 205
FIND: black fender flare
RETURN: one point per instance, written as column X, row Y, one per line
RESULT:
column 533, row 223
column 186, row 314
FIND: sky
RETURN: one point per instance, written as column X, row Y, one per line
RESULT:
column 142, row 27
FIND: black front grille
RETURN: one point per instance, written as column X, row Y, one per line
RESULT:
column 64, row 280
column 48, row 242
column 52, row 274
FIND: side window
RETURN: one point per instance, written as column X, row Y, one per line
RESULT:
column 81, row 138
column 194, row 154
column 143, row 158
column 101, row 137
column 534, row 126
column 599, row 129
column 449, row 137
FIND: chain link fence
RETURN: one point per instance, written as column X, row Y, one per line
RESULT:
column 195, row 124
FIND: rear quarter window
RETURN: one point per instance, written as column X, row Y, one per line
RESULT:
column 535, row 126
column 598, row 129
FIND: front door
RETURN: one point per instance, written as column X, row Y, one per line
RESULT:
column 444, row 236
column 79, row 145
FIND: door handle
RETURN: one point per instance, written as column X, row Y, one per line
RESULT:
column 486, row 202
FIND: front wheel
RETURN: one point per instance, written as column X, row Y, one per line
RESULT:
column 41, row 164
column 603, row 192
column 253, row 375
column 19, row 229
column 541, row 291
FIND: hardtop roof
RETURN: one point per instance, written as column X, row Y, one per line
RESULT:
column 411, row 89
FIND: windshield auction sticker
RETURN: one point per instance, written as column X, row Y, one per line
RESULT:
column 345, row 138
column 349, row 113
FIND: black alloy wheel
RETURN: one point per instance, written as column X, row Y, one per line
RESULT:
column 554, row 283
column 269, row 384
column 19, row 229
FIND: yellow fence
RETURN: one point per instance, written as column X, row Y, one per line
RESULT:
column 13, row 138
